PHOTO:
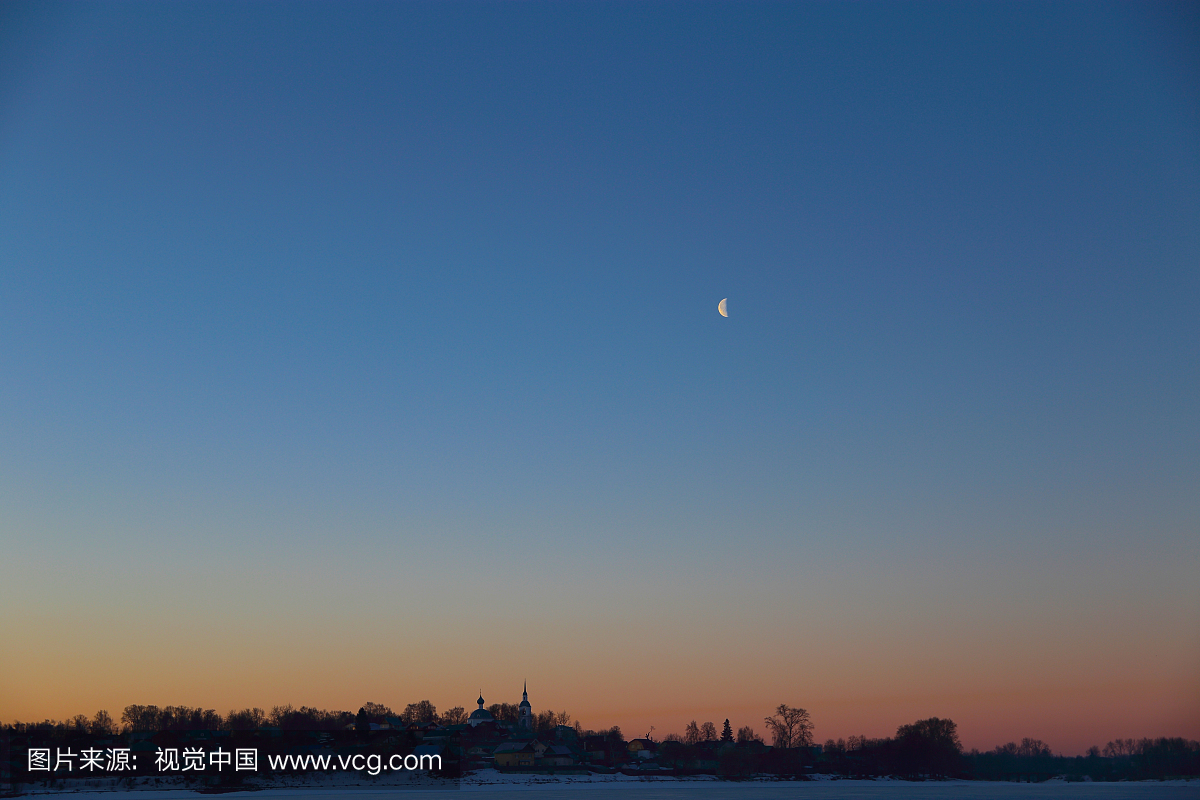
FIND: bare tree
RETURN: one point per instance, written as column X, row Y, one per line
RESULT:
column 747, row 734
column 279, row 715
column 454, row 716
column 503, row 712
column 790, row 727
column 377, row 712
column 102, row 724
column 140, row 718
column 421, row 713
column 691, row 734
column 306, row 718
column 708, row 732
column 1033, row 748
column 929, row 746
column 248, row 719
column 1122, row 747
column 186, row 718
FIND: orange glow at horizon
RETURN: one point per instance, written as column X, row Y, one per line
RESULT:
column 602, row 690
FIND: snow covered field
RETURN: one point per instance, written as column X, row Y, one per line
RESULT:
column 614, row 787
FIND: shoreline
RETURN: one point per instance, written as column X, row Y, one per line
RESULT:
column 822, row 786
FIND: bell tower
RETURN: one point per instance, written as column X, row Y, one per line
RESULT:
column 525, row 711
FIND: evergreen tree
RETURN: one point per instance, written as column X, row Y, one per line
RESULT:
column 362, row 725
column 727, row 733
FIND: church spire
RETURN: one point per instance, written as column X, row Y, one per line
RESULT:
column 524, row 711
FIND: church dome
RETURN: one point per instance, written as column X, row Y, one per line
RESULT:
column 480, row 714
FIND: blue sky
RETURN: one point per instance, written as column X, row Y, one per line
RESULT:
column 426, row 294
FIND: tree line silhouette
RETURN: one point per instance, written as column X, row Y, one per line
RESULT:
column 914, row 753
column 925, row 749
column 151, row 718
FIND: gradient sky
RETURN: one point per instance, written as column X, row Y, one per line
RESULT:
column 370, row 352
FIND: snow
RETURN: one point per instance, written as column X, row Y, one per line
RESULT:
column 613, row 787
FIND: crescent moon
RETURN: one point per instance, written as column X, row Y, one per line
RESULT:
column 721, row 308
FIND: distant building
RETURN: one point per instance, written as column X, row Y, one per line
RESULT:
column 642, row 748
column 480, row 715
column 484, row 740
column 558, row 756
column 511, row 755
column 595, row 748
column 525, row 711
column 532, row 754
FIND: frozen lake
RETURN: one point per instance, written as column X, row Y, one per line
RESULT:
column 708, row 790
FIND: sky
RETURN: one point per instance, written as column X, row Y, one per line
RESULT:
column 370, row 352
